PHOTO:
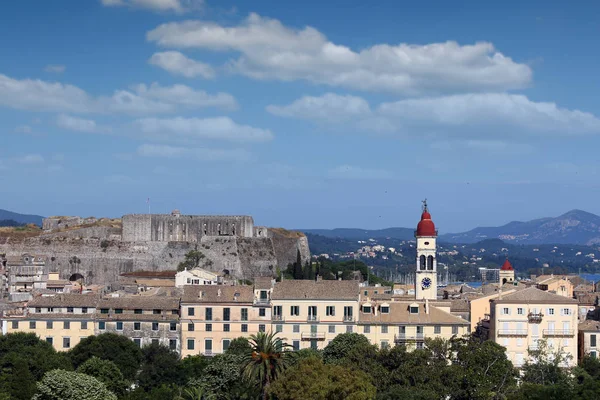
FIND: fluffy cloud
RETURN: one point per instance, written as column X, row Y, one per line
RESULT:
column 177, row 6
column 178, row 64
column 199, row 154
column 79, row 124
column 270, row 50
column 329, row 107
column 57, row 69
column 39, row 95
column 358, row 173
column 189, row 129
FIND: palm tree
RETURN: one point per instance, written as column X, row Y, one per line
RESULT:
column 268, row 359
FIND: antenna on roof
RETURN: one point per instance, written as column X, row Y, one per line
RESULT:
column 424, row 204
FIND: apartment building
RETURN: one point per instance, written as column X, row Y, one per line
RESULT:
column 407, row 323
column 519, row 320
column 589, row 339
column 62, row 320
column 212, row 316
column 144, row 319
column 309, row 314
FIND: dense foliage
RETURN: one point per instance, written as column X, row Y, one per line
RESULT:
column 350, row 367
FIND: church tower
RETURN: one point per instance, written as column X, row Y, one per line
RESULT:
column 426, row 275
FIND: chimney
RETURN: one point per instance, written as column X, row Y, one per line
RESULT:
column 219, row 293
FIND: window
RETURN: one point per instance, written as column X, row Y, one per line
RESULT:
column 314, row 345
column 137, row 311
column 66, row 342
column 296, row 328
column 262, row 312
column 226, row 343
column 226, row 314
column 118, row 311
column 84, row 310
column 244, row 327
column 208, row 314
column 69, row 309
column 385, row 309
column 102, row 325
column 348, row 328
column 505, row 311
column 156, row 311
column 104, row 311
column 226, row 328
column 191, row 311
column 520, row 311
column 437, row 329
column 173, row 344
column 414, row 309
column 384, row 329
column 137, row 326
column 119, row 326
column 155, row 326
column 296, row 345
column 244, row 314
column 455, row 330
column 385, row 344
column 138, row 342
column 312, row 313
column 295, row 310
column 593, row 354
column 366, row 309
column 419, row 330
column 173, row 326
column 49, row 325
column 66, row 325
column 367, row 329
column 261, row 328
column 174, row 312
column 592, row 340
column 402, row 329
column 348, row 313
column 83, row 324
column 419, row 345
column 208, row 345
column 31, row 324
column 330, row 311
column 331, row 328
column 208, row 328
column 566, row 311
column 263, row 295
column 49, row 339
column 551, row 311
column 190, row 327
column 366, row 292
column 190, row 344
column 38, row 310
column 278, row 328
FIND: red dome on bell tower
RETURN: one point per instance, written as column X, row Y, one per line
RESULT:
column 426, row 227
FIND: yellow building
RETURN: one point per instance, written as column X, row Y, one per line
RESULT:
column 589, row 339
column 519, row 320
column 479, row 308
column 559, row 285
column 309, row 314
column 212, row 316
column 62, row 320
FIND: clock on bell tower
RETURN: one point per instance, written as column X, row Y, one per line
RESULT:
column 426, row 274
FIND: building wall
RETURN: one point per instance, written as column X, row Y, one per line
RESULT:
column 479, row 307
column 426, row 246
column 146, row 334
column 58, row 332
column 585, row 344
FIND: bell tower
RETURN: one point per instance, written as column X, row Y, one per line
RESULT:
column 426, row 274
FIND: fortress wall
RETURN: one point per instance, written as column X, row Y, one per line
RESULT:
column 136, row 227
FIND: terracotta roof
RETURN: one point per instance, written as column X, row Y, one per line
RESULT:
column 59, row 282
column 316, row 290
column 263, row 283
column 140, row 302
column 155, row 282
column 459, row 305
column 426, row 227
column 217, row 294
column 64, row 300
column 534, row 295
column 400, row 314
column 507, row 266
column 137, row 317
column 55, row 316
column 589, row 326
column 151, row 274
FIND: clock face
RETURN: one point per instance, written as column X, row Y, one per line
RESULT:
column 426, row 283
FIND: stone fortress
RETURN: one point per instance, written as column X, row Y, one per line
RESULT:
column 102, row 249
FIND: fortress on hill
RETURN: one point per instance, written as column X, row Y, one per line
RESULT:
column 101, row 249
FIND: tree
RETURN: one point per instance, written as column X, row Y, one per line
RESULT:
column 160, row 366
column 341, row 346
column 193, row 366
column 307, row 272
column 192, row 260
column 267, row 361
column 109, row 346
column 239, row 346
column 67, row 385
column 544, row 366
column 311, row 379
column 106, row 372
column 223, row 379
column 297, row 267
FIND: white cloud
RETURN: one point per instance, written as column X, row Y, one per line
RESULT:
column 23, row 129
column 269, row 50
column 218, row 128
column 177, row 6
column 178, row 64
column 199, row 154
column 358, row 173
column 57, row 69
column 38, row 95
column 79, row 124
column 329, row 107
column 30, row 159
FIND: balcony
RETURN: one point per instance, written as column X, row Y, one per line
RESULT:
column 348, row 318
column 313, row 336
column 512, row 332
column 312, row 318
column 278, row 318
column 403, row 338
column 558, row 332
column 262, row 302
column 535, row 318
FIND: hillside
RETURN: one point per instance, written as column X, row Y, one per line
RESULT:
column 21, row 218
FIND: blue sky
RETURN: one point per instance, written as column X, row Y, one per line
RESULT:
column 302, row 114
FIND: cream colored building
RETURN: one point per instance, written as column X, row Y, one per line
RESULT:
column 309, row 314
column 559, row 284
column 212, row 316
column 589, row 339
column 62, row 319
column 479, row 308
column 519, row 320
column 196, row 276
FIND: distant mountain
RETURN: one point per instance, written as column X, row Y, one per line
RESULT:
column 20, row 218
column 573, row 227
column 363, row 234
